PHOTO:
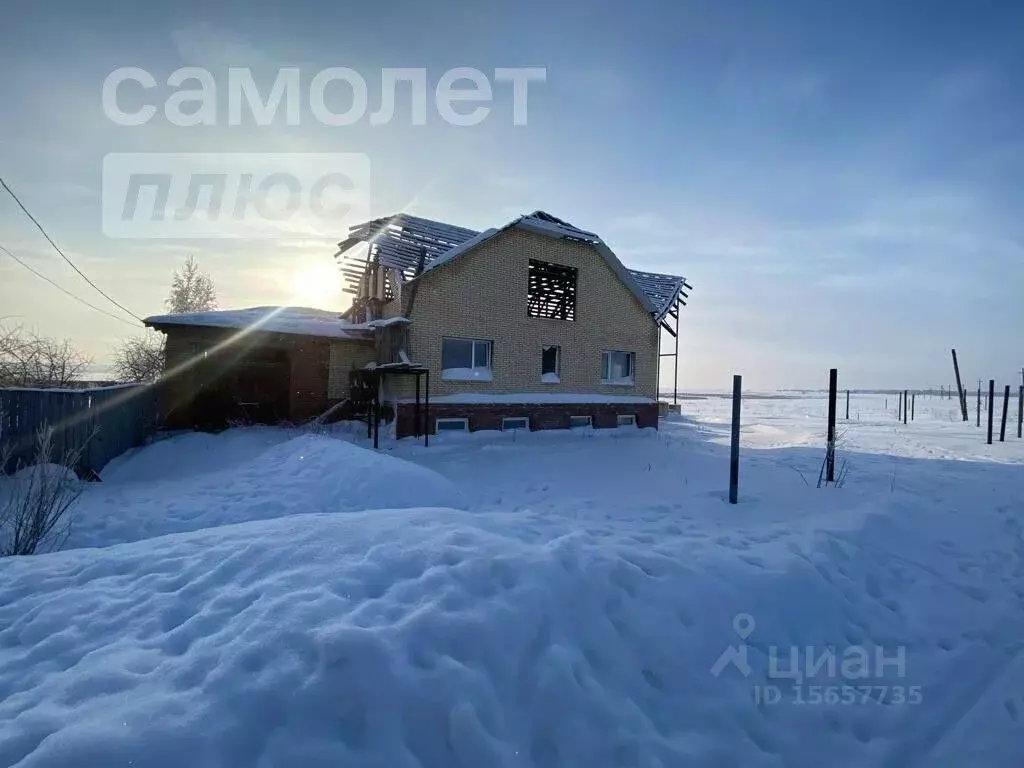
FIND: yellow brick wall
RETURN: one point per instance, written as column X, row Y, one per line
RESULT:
column 344, row 356
column 482, row 294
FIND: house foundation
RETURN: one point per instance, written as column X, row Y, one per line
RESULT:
column 539, row 415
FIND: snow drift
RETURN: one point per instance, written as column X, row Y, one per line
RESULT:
column 250, row 477
column 433, row 637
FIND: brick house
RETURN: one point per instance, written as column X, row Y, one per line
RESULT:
column 534, row 325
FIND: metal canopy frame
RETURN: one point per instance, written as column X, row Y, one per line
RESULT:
column 373, row 377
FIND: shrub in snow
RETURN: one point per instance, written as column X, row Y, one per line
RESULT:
column 35, row 502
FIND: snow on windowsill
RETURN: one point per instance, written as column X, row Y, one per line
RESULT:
column 625, row 381
column 467, row 374
column 550, row 378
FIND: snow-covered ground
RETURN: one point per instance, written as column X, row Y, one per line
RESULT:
column 267, row 597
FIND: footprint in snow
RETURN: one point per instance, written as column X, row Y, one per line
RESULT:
column 1012, row 709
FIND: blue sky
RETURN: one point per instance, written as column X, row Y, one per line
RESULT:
column 839, row 181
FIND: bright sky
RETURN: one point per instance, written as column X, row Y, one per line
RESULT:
column 841, row 182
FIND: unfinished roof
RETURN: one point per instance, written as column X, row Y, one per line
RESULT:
column 409, row 245
column 399, row 240
column 302, row 321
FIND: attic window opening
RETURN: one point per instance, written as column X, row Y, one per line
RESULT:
column 552, row 291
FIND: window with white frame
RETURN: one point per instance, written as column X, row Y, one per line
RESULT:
column 627, row 420
column 452, row 424
column 550, row 364
column 466, row 360
column 617, row 367
column 515, row 422
column 580, row 422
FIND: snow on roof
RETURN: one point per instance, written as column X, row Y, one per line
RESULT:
column 382, row 323
column 401, row 241
column 302, row 321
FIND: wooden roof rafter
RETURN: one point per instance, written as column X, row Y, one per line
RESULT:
column 409, row 244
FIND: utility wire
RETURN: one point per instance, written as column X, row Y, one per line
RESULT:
column 64, row 290
column 62, row 254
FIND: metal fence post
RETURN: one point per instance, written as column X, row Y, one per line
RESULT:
column 734, row 455
column 991, row 394
column 830, row 455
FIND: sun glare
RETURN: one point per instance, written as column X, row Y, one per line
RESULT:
column 317, row 286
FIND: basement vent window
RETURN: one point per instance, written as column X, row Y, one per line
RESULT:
column 515, row 422
column 552, row 291
column 627, row 420
column 453, row 425
column 580, row 422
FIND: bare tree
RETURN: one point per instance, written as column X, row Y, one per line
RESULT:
column 192, row 290
column 30, row 360
column 35, row 502
column 140, row 358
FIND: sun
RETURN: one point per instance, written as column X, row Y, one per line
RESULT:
column 317, row 286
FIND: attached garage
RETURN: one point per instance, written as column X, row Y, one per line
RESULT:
column 260, row 365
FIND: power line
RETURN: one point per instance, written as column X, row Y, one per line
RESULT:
column 62, row 254
column 64, row 290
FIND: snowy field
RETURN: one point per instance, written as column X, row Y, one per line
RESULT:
column 267, row 597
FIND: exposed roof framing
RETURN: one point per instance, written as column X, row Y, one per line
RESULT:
column 399, row 242
column 662, row 290
column 551, row 291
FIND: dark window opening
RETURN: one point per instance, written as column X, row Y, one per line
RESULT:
column 550, row 365
column 552, row 291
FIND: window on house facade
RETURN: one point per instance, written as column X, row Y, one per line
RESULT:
column 617, row 367
column 552, row 291
column 515, row 422
column 626, row 420
column 466, row 360
column 578, row 422
column 550, row 364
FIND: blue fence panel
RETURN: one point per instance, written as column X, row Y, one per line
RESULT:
column 102, row 423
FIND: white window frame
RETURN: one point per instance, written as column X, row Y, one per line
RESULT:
column 606, row 362
column 515, row 418
column 558, row 364
column 464, row 421
column 625, row 420
column 588, row 425
column 485, row 373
